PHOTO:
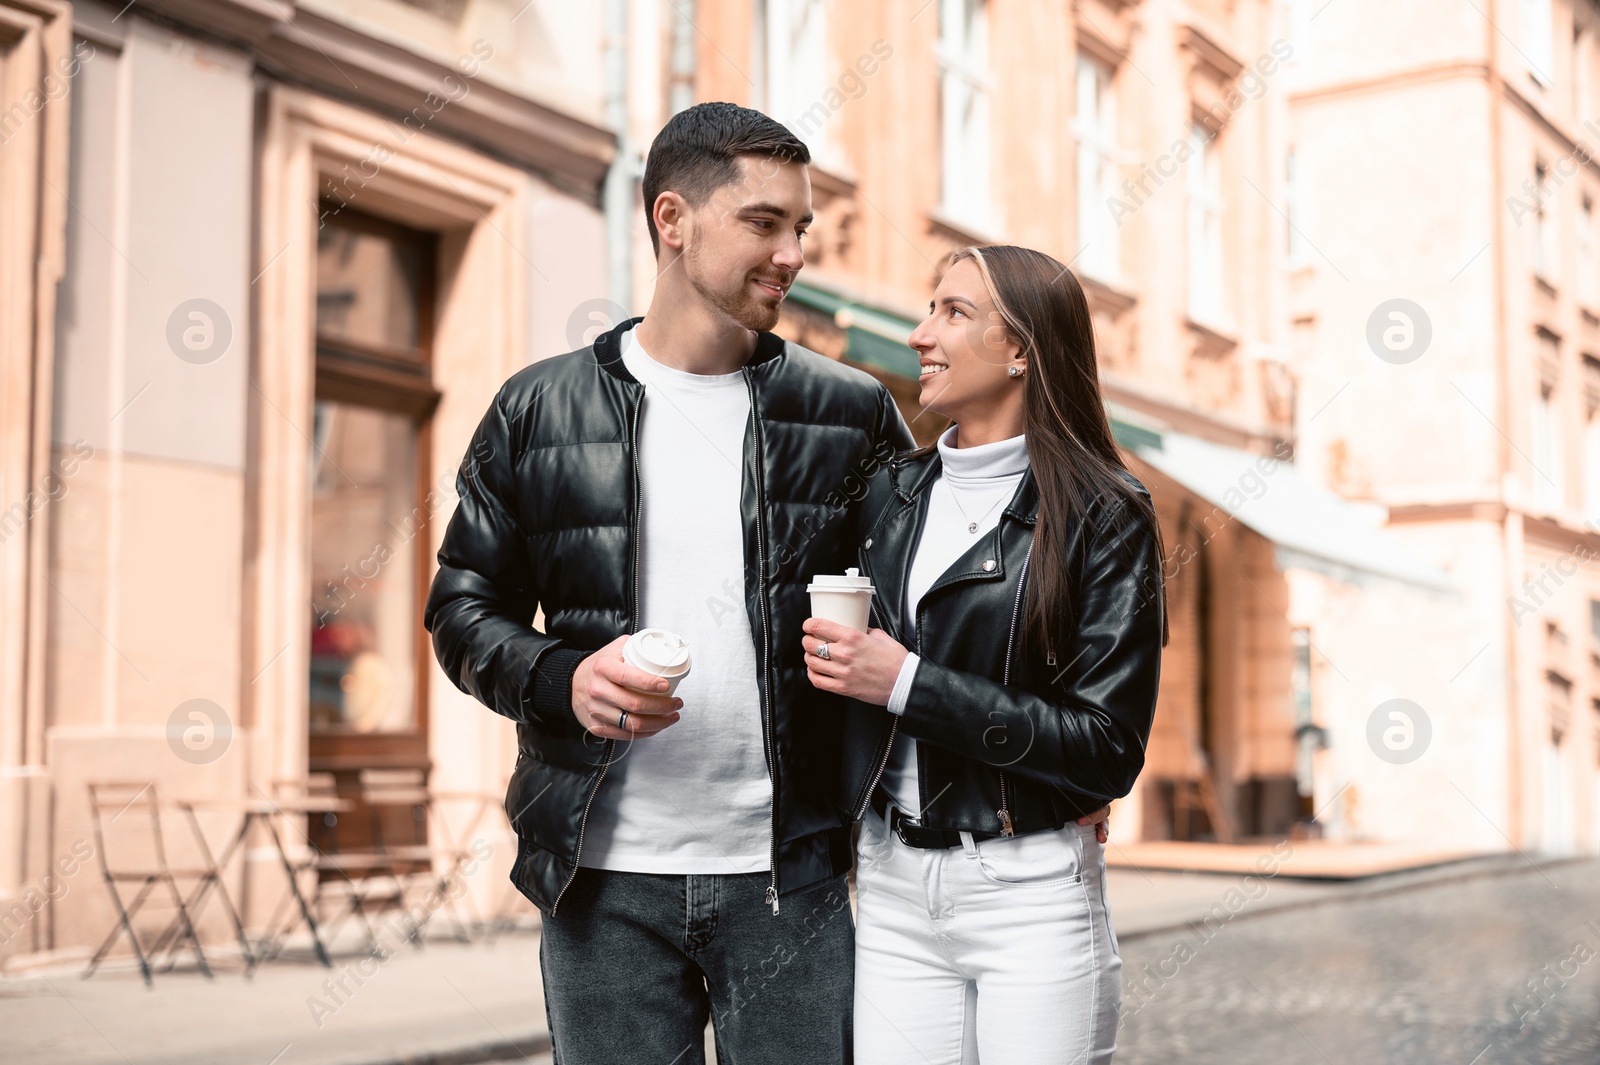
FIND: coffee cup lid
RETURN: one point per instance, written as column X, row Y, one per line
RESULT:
column 660, row 650
column 850, row 581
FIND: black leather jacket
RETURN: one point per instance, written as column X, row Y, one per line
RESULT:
column 549, row 517
column 1009, row 740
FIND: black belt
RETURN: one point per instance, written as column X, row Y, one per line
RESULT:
column 915, row 835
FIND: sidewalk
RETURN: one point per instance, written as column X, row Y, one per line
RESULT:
column 451, row 1004
column 445, row 1003
column 1146, row 901
column 1310, row 858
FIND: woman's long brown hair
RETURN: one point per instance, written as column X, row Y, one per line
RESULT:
column 1070, row 448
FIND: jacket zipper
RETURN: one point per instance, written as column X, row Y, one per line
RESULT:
column 611, row 745
column 766, row 627
column 866, row 798
column 1004, row 813
column 888, row 746
column 894, row 724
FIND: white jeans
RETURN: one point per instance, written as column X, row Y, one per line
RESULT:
column 1000, row 951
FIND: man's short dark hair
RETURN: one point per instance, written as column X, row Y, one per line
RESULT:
column 696, row 153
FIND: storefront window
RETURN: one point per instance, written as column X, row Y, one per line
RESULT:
column 374, row 398
column 369, row 290
column 364, row 569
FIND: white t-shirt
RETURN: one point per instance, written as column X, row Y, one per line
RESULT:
column 696, row 797
column 973, row 487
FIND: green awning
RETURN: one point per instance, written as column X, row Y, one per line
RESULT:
column 1128, row 429
column 875, row 337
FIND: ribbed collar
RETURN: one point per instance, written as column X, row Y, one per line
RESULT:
column 1003, row 458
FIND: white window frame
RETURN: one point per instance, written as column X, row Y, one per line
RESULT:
column 1582, row 75
column 1549, row 457
column 1094, row 126
column 1203, row 187
column 1544, row 237
column 1294, row 211
column 1545, row 452
column 794, row 67
column 1538, row 40
column 1588, row 261
column 966, row 147
column 1591, row 467
column 1299, row 26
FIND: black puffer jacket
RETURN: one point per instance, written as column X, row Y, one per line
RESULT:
column 549, row 517
column 1010, row 740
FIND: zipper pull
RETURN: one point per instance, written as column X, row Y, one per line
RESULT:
column 772, row 897
column 1005, row 822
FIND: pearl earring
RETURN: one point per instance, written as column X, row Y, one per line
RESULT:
column 1014, row 371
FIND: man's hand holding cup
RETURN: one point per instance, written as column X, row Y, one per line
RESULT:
column 624, row 691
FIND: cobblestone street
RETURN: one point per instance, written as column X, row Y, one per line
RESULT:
column 1487, row 971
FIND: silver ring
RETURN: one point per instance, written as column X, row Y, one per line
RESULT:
column 622, row 720
column 822, row 652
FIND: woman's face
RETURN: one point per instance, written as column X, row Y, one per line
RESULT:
column 964, row 349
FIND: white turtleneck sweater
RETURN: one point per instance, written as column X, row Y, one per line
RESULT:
column 974, row 486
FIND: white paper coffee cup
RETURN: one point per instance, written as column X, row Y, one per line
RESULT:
column 846, row 599
column 660, row 652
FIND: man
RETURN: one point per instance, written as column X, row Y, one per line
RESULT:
column 690, row 471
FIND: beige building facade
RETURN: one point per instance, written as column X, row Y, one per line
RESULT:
column 1142, row 144
column 1445, row 303
column 264, row 262
column 267, row 263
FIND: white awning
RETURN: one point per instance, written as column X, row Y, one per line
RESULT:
column 1311, row 527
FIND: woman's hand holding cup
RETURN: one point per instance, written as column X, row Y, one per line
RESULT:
column 861, row 665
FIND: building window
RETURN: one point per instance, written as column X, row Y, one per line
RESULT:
column 792, row 43
column 1589, row 459
column 1588, row 266
column 1558, row 784
column 1095, row 127
column 1295, row 211
column 1544, row 234
column 1591, row 467
column 1538, row 44
column 1204, row 188
column 963, row 58
column 1582, row 77
column 1594, row 721
column 374, row 325
column 1300, row 14
column 1549, row 468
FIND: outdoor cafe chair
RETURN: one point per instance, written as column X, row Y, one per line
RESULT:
column 415, row 844
column 132, row 855
column 346, row 883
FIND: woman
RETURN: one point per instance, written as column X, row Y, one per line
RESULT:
column 1017, row 565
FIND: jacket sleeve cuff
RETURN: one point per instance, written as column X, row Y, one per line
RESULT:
column 550, row 697
column 902, row 684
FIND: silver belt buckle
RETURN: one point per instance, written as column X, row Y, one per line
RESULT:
column 900, row 820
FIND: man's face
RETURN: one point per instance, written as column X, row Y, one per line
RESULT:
column 742, row 246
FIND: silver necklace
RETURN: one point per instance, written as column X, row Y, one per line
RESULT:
column 972, row 526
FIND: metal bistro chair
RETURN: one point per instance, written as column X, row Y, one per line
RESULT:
column 340, row 890
column 142, row 859
column 414, row 841
column 457, row 818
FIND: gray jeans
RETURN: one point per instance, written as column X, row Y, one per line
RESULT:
column 633, row 963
